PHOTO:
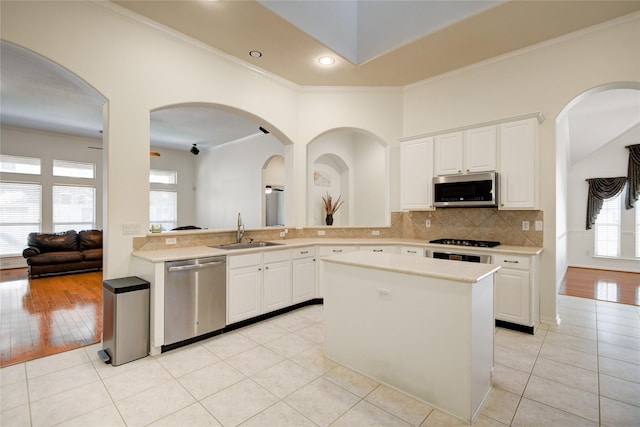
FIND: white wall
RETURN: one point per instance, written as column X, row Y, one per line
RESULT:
column 229, row 181
column 370, row 180
column 542, row 79
column 609, row 161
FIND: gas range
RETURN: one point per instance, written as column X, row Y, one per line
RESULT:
column 466, row 242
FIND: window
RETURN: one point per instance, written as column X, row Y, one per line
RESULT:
column 16, row 164
column 157, row 176
column 20, row 214
column 74, row 208
column 74, row 169
column 607, row 229
column 163, row 208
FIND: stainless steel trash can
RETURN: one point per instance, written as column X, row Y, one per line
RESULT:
column 125, row 320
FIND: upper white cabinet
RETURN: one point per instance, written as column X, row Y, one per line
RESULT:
column 448, row 152
column 416, row 158
column 518, row 164
column 471, row 151
column 480, row 149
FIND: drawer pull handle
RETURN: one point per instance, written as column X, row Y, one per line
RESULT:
column 304, row 252
column 337, row 250
column 512, row 262
column 412, row 252
column 378, row 250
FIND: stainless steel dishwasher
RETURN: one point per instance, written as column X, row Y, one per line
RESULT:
column 194, row 297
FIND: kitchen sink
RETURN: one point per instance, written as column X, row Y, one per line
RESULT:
column 249, row 245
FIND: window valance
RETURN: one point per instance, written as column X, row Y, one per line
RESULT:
column 633, row 176
column 601, row 189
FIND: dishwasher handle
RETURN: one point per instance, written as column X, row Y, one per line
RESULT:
column 195, row 266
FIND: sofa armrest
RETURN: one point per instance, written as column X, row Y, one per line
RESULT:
column 30, row 251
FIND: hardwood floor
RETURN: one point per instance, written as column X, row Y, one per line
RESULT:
column 605, row 285
column 48, row 315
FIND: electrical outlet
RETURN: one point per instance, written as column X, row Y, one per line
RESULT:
column 427, row 223
column 321, row 233
column 538, row 225
column 283, row 234
column 170, row 241
column 375, row 233
column 525, row 225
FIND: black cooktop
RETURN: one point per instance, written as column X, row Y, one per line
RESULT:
column 466, row 242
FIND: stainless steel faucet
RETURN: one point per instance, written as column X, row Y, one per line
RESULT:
column 240, row 233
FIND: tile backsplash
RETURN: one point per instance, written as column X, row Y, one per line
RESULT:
column 455, row 223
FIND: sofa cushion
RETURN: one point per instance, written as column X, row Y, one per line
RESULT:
column 90, row 239
column 92, row 254
column 54, row 242
column 55, row 258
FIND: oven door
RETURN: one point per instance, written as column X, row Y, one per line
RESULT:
column 458, row 256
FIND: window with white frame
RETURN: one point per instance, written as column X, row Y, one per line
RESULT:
column 607, row 228
column 74, row 208
column 157, row 176
column 74, row 169
column 20, row 214
column 163, row 208
column 17, row 164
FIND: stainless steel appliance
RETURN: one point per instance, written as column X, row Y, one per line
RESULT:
column 472, row 190
column 458, row 255
column 194, row 298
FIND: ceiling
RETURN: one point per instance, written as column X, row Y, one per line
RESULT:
column 374, row 45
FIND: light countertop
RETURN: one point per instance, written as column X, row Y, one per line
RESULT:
column 178, row 253
column 466, row 272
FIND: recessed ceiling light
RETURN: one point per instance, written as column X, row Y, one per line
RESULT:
column 255, row 54
column 326, row 60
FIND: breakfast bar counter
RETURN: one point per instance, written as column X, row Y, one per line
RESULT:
column 423, row 326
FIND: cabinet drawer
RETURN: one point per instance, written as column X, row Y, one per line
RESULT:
column 276, row 256
column 412, row 251
column 385, row 249
column 512, row 261
column 334, row 250
column 235, row 261
column 305, row 252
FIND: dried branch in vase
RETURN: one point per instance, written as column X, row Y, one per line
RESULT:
column 329, row 206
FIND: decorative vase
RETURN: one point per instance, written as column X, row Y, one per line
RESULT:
column 329, row 219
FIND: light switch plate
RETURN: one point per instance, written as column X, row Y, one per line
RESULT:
column 538, row 225
column 170, row 241
column 525, row 225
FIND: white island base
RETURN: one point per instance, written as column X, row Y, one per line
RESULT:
column 420, row 325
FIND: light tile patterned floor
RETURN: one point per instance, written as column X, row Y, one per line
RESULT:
column 583, row 372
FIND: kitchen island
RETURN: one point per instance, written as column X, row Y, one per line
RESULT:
column 423, row 326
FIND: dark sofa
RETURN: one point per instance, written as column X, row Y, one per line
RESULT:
column 70, row 251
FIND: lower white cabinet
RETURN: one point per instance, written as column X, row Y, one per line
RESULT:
column 244, row 286
column 331, row 250
column 303, row 272
column 516, row 296
column 276, row 285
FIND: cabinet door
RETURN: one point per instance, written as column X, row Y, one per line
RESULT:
column 448, row 154
column 304, row 279
column 276, row 285
column 519, row 165
column 243, row 293
column 512, row 296
column 416, row 158
column 480, row 149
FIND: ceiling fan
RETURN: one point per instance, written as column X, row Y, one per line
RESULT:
column 151, row 153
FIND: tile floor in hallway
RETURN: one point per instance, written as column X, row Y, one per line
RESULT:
column 583, row 372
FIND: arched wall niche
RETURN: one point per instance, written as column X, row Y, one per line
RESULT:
column 352, row 164
column 226, row 177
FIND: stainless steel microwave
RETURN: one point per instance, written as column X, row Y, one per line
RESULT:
column 471, row 190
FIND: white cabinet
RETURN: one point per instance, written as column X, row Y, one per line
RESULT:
column 448, row 152
column 331, row 250
column 480, row 149
column 471, row 151
column 516, row 294
column 244, row 287
column 416, row 158
column 518, row 161
column 303, row 267
column 257, row 285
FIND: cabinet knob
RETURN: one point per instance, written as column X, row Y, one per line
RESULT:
column 259, row 269
column 266, row 268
